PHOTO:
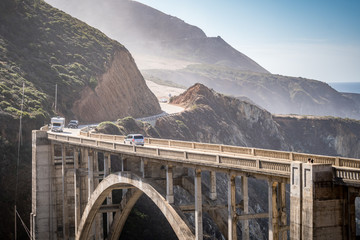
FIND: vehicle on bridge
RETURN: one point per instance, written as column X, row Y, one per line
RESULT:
column 134, row 139
column 57, row 124
column 73, row 124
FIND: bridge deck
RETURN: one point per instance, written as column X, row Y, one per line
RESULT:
column 259, row 162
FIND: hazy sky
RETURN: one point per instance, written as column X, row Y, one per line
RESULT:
column 317, row 39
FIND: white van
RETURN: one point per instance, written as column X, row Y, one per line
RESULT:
column 57, row 124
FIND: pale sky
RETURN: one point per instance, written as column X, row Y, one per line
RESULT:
column 316, row 39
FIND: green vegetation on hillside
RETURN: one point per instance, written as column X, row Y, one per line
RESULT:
column 42, row 46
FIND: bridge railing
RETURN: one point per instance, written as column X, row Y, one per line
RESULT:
column 236, row 150
column 190, row 156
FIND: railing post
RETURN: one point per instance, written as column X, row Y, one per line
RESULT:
column 337, row 161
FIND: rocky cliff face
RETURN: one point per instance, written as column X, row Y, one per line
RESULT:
column 325, row 135
column 121, row 92
column 216, row 118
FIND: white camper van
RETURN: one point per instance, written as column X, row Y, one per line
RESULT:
column 57, row 124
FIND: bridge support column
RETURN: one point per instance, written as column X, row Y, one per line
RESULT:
column 107, row 171
column 169, row 184
column 213, row 195
column 296, row 201
column 65, row 216
column 98, row 218
column 76, row 189
column 273, row 211
column 198, row 206
column 41, row 186
column 83, row 180
column 245, row 193
column 232, row 233
column 282, row 213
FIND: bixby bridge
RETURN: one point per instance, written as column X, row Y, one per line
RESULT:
column 73, row 178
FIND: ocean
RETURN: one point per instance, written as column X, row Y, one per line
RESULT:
column 347, row 87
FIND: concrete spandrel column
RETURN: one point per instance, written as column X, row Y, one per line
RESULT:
column 65, row 219
column 76, row 189
column 107, row 171
column 169, row 185
column 198, row 206
column 273, row 211
column 213, row 194
column 90, row 174
column 98, row 218
column 282, row 204
column 232, row 234
column 245, row 193
column 83, row 180
column 296, row 200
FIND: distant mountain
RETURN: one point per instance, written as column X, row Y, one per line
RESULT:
column 147, row 31
column 278, row 94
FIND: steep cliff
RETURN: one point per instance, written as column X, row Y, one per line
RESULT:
column 322, row 135
column 121, row 91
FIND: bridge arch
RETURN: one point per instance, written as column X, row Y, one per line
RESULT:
column 119, row 180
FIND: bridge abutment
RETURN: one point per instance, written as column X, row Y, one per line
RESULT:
column 319, row 209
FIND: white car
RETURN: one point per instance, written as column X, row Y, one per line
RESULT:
column 134, row 139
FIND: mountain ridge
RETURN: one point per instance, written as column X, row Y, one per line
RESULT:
column 145, row 30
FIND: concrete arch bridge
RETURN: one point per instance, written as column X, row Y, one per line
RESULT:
column 74, row 176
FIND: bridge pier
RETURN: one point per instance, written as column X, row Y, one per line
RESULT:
column 320, row 209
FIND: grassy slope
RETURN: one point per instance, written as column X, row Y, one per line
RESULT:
column 42, row 46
